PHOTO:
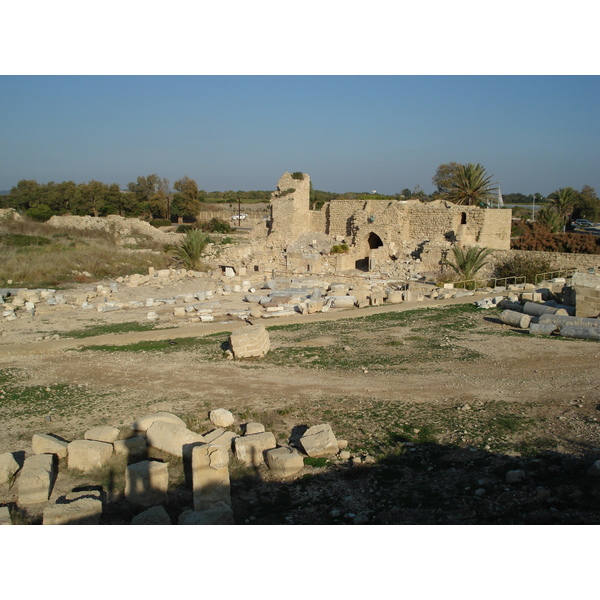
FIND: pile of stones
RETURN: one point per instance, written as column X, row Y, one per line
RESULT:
column 34, row 472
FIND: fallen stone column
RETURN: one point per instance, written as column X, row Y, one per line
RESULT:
column 570, row 321
column 583, row 333
column 537, row 310
column 511, row 317
column 542, row 328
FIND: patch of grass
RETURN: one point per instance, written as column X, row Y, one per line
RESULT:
column 315, row 462
column 94, row 330
column 207, row 344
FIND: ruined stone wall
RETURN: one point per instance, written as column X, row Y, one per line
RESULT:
column 290, row 209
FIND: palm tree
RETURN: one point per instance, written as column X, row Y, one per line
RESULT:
column 564, row 201
column 468, row 262
column 471, row 185
column 551, row 218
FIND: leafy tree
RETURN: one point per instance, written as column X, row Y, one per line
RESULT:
column 445, row 175
column 587, row 205
column 90, row 198
column 186, row 203
column 468, row 262
column 25, row 194
column 471, row 185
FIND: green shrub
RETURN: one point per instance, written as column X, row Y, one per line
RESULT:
column 297, row 175
column 191, row 249
column 340, row 249
column 523, row 266
column 41, row 212
column 216, row 225
column 160, row 222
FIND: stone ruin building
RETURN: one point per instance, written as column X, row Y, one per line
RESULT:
column 390, row 238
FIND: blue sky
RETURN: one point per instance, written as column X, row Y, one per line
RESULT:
column 350, row 133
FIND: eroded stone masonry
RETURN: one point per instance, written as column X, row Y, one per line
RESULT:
column 395, row 238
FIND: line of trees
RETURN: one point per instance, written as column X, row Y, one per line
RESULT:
column 151, row 197
column 148, row 197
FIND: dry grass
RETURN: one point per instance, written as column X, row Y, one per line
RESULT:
column 67, row 255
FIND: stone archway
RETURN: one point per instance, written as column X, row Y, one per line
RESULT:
column 374, row 241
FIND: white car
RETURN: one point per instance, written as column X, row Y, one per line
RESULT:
column 239, row 217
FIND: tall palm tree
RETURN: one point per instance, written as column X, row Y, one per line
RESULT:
column 467, row 262
column 471, row 185
column 564, row 201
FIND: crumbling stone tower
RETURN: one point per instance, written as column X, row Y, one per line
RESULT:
column 290, row 206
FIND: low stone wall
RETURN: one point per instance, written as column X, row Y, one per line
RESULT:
column 558, row 260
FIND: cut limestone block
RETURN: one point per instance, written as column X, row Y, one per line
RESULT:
column 254, row 428
column 145, row 422
column 155, row 515
column 9, row 465
column 171, row 438
column 319, row 440
column 218, row 514
column 146, row 483
column 395, row 296
column 250, row 448
column 5, row 518
column 102, row 434
column 134, row 446
column 36, row 479
column 284, row 462
column 252, row 341
column 220, row 417
column 87, row 455
column 210, row 476
column 43, row 443
column 83, row 511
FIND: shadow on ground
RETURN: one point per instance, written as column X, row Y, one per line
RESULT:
column 415, row 484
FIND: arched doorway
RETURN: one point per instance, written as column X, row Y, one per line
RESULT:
column 374, row 241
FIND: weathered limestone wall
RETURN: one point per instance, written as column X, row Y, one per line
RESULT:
column 290, row 209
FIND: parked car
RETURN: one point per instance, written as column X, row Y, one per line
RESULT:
column 583, row 223
column 239, row 217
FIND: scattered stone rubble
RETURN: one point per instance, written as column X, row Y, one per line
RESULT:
column 35, row 471
column 537, row 309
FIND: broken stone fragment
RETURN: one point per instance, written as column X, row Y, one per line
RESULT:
column 36, row 479
column 319, row 440
column 221, row 417
column 250, row 448
column 83, row 511
column 144, row 423
column 155, row 515
column 284, row 462
column 87, row 455
column 210, row 476
column 42, row 443
column 218, row 514
column 147, row 483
